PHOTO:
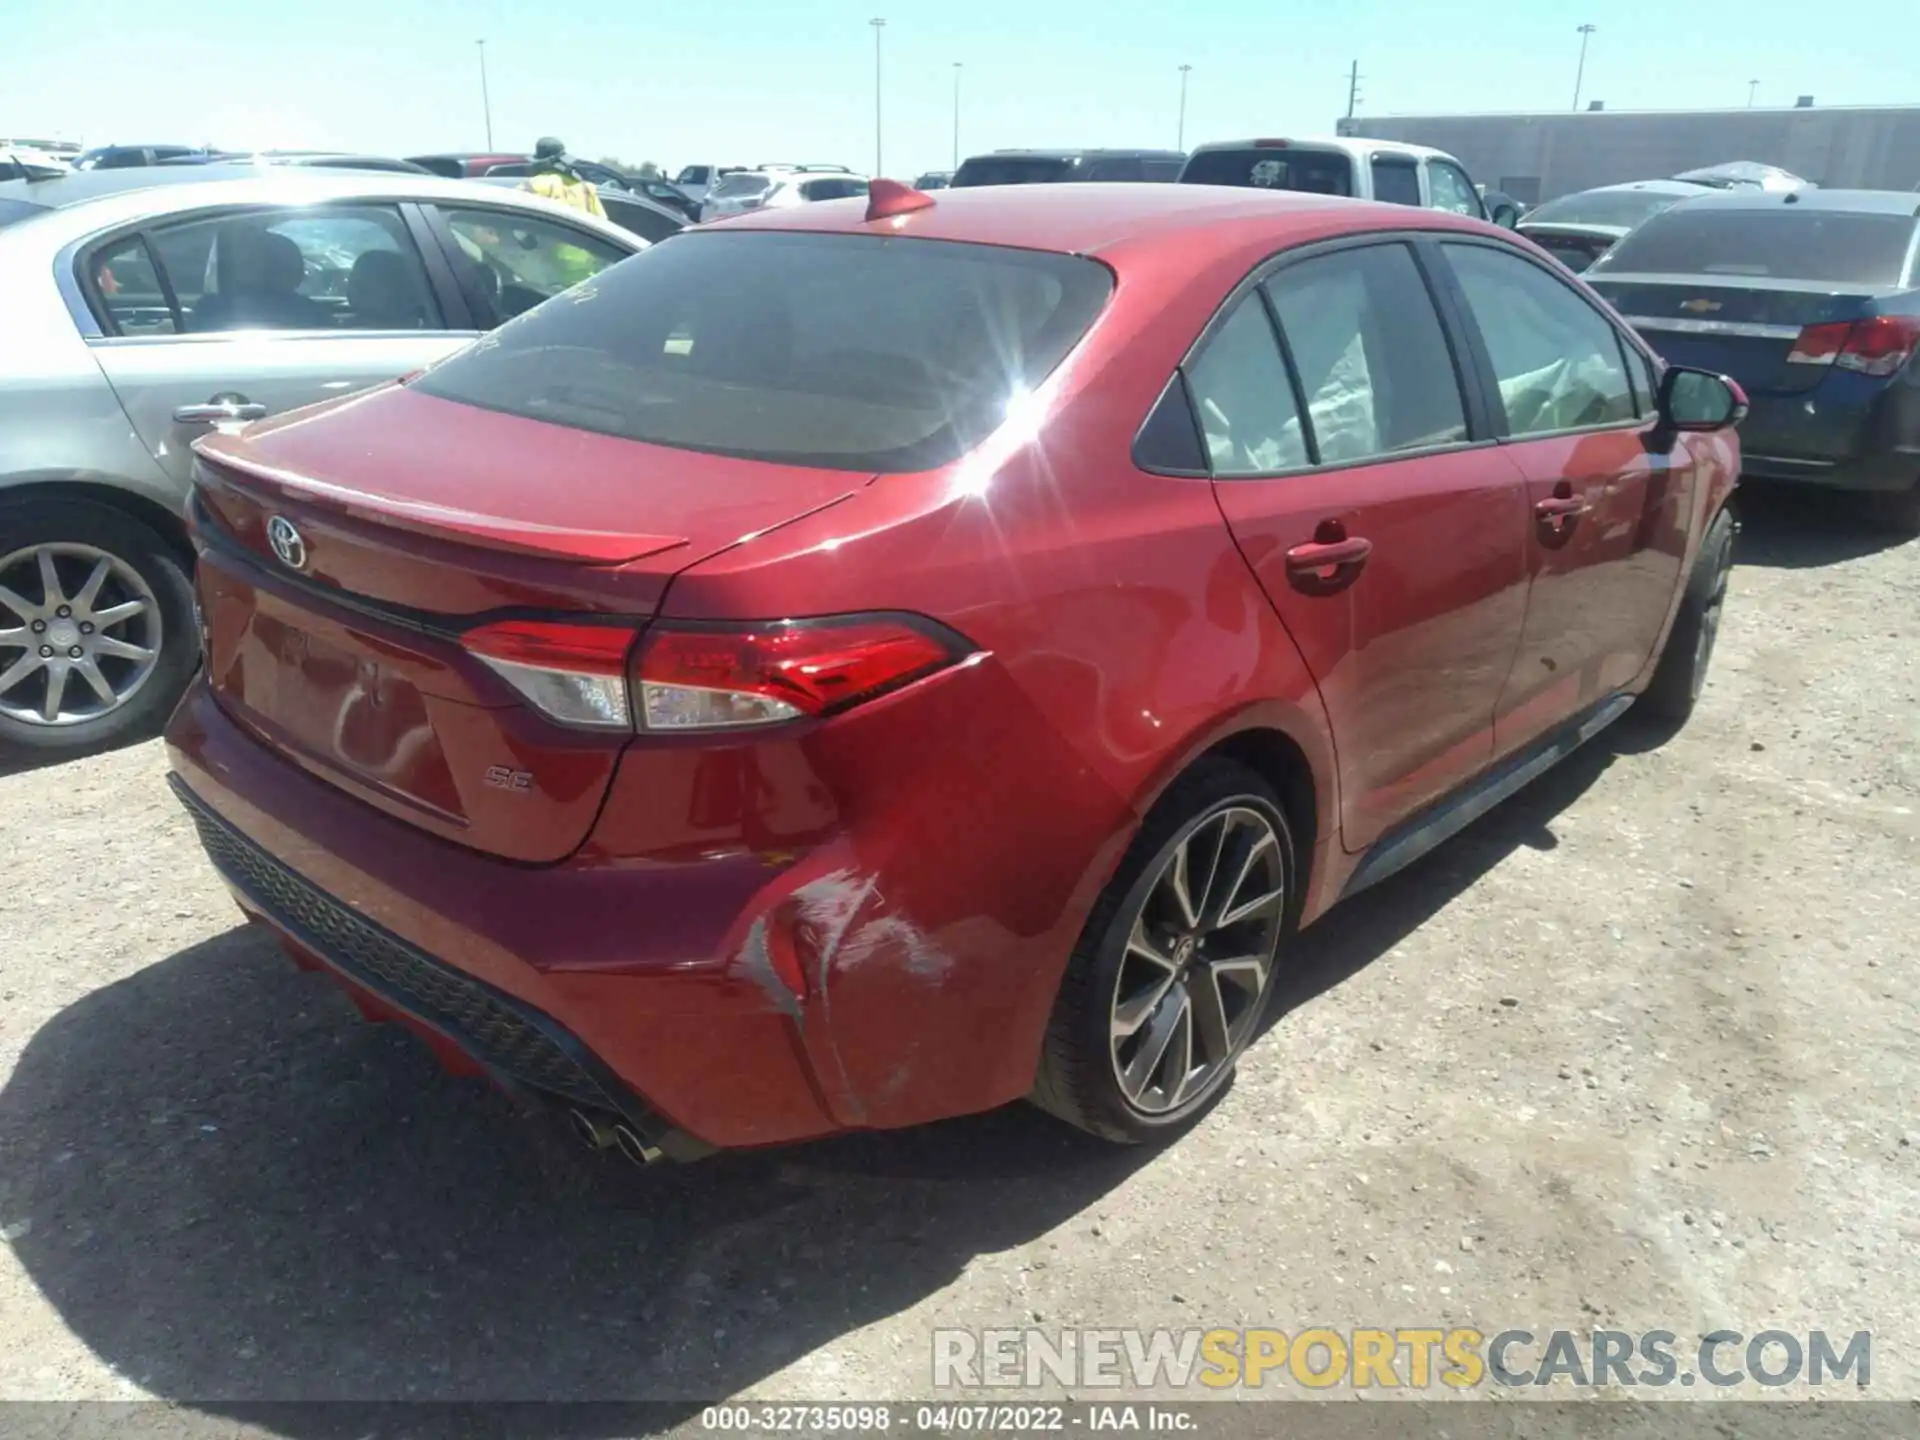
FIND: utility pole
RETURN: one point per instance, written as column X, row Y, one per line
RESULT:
column 1586, row 33
column 1353, row 88
column 956, row 114
column 1181, row 143
column 1752, row 85
column 486, row 104
column 878, row 25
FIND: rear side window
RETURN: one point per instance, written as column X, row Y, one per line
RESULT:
column 1116, row 169
column 833, row 189
column 1246, row 404
column 1317, row 172
column 848, row 352
column 739, row 184
column 1163, row 171
column 130, row 291
column 1770, row 243
column 1397, row 182
column 1373, row 363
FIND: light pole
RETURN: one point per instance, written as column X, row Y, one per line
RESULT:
column 878, row 25
column 1586, row 32
column 1752, row 85
column 1181, row 143
column 486, row 104
column 957, row 67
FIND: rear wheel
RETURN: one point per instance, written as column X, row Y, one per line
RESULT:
column 97, row 636
column 1897, row 510
column 1175, row 967
column 1682, row 672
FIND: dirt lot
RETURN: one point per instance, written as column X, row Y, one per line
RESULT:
column 1639, row 1050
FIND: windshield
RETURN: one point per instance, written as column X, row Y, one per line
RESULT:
column 692, row 175
column 741, row 185
column 1012, row 170
column 848, row 352
column 1612, row 208
column 1318, row 172
column 1787, row 244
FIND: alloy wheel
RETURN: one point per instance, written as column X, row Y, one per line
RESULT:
column 1198, row 960
column 80, row 633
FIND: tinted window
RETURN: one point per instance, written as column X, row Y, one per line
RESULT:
column 1625, row 208
column 1246, row 404
column 766, row 345
column 740, row 184
column 511, row 262
column 308, row 268
column 1373, row 362
column 1556, row 359
column 1116, row 170
column 1397, row 182
column 833, row 189
column 1317, row 172
column 1451, row 190
column 1012, row 170
column 1163, row 171
column 1783, row 242
column 642, row 220
column 129, row 290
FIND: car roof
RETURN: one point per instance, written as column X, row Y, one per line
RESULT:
column 1355, row 145
column 1857, row 202
column 92, row 200
column 1099, row 219
column 1652, row 187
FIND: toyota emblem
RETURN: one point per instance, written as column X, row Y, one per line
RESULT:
column 288, row 545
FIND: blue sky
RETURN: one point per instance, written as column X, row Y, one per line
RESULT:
column 747, row 81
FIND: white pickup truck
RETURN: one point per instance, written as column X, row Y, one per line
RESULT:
column 1365, row 169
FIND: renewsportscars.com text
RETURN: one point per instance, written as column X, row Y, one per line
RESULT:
column 1321, row 1357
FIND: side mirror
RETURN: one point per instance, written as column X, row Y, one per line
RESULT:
column 1700, row 400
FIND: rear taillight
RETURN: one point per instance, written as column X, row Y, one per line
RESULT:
column 1879, row 345
column 576, row 674
column 708, row 677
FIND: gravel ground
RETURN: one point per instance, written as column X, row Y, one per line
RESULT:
column 1637, row 1051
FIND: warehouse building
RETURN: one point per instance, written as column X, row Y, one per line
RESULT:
column 1536, row 157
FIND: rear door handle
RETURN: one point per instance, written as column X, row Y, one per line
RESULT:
column 1559, row 507
column 1321, row 567
column 215, row 412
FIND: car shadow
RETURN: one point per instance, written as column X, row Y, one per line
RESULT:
column 1794, row 527
column 238, row 1196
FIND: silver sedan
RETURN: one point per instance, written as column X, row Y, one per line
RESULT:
column 144, row 306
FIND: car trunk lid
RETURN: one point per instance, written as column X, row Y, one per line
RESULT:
column 1742, row 329
column 341, row 646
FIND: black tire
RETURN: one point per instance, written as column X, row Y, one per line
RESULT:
column 1682, row 672
column 1078, row 1078
column 1897, row 510
column 40, row 521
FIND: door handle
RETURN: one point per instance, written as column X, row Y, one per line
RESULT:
column 1559, row 507
column 1329, row 562
column 215, row 412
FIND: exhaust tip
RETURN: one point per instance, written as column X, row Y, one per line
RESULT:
column 593, row 1132
column 633, row 1147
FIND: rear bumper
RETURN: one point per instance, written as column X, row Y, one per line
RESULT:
column 1894, row 470
column 1852, row 432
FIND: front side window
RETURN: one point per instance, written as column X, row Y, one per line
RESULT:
column 1556, row 359
column 509, row 262
column 344, row 267
column 1246, row 404
column 762, row 345
column 1373, row 362
column 1451, row 190
column 1397, row 182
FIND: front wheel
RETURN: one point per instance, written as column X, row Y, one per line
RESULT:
column 1176, row 964
column 97, row 636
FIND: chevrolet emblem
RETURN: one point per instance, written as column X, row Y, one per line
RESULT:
column 1700, row 307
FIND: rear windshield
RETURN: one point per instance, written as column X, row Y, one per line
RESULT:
column 848, row 352
column 1011, row 170
column 1318, row 172
column 1603, row 207
column 1785, row 244
column 741, row 185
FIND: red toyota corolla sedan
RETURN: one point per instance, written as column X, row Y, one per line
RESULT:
column 878, row 660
